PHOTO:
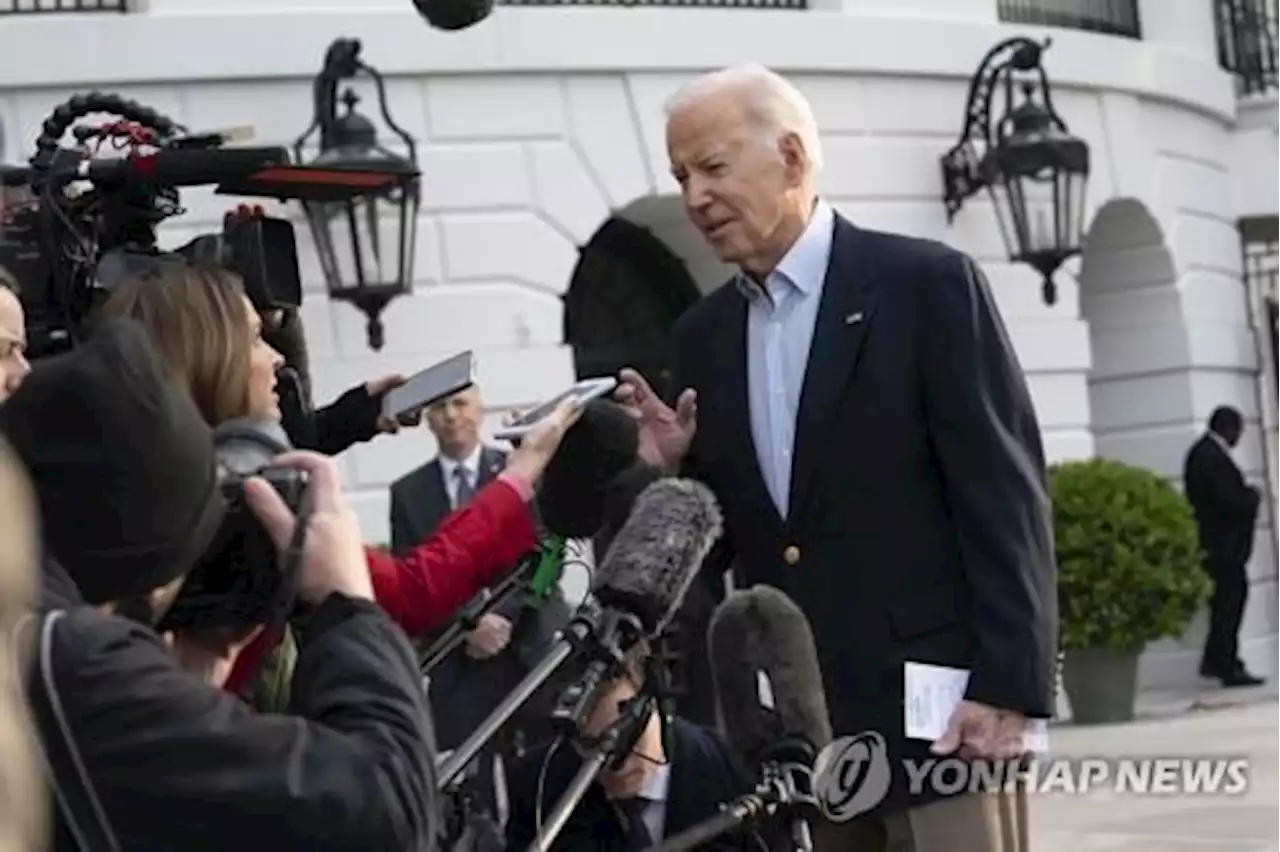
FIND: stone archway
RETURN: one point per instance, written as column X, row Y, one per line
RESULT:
column 638, row 273
column 1140, row 388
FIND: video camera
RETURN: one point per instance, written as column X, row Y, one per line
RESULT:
column 240, row 582
column 74, row 224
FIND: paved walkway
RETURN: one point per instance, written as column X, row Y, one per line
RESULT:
column 1223, row 724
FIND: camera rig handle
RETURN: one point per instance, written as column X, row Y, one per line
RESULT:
column 78, row 106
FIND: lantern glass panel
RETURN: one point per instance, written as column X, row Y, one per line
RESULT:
column 367, row 242
column 1037, row 187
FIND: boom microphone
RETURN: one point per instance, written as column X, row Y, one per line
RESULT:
column 639, row 585
column 770, row 699
column 767, row 681
column 452, row 15
column 656, row 554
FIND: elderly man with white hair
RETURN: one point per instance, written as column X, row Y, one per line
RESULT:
column 853, row 399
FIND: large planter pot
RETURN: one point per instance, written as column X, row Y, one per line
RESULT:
column 1101, row 685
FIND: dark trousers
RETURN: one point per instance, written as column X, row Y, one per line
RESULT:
column 1226, row 611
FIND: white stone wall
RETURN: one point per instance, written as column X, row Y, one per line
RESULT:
column 539, row 123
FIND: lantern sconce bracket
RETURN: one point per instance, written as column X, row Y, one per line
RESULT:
column 961, row 166
column 342, row 62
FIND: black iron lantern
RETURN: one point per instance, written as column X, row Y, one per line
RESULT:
column 365, row 242
column 1035, row 171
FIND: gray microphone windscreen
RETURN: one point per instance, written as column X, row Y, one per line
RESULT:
column 768, row 683
column 656, row 554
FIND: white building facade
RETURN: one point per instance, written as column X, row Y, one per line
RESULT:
column 540, row 124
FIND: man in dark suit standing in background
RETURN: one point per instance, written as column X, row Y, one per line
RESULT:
column 1226, row 509
column 854, row 401
column 467, row 685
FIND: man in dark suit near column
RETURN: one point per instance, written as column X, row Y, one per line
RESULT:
column 467, row 685
column 1226, row 509
column 853, row 399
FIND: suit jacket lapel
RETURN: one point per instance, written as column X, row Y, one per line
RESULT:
column 491, row 464
column 738, row 417
column 682, row 790
column 435, row 499
column 844, row 314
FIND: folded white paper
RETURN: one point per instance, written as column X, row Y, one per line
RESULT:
column 932, row 694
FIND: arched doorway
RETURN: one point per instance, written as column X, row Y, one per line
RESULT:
column 1141, row 395
column 638, row 273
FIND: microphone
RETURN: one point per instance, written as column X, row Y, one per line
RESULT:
column 655, row 556
column 453, row 15
column 638, row 587
column 179, row 166
column 770, row 699
column 572, row 498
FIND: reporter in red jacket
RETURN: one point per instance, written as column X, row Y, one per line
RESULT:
column 470, row 549
column 209, row 336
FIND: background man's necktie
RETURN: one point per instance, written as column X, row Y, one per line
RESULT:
column 465, row 489
column 638, row 837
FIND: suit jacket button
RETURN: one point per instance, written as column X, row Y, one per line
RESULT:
column 791, row 554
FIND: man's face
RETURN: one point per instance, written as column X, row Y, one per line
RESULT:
column 455, row 421
column 742, row 190
column 1232, row 434
column 13, row 344
column 629, row 779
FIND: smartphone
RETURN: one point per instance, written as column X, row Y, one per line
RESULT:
column 430, row 385
column 585, row 390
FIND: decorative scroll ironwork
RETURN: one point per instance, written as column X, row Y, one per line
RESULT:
column 1247, row 39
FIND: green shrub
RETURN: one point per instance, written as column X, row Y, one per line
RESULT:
column 1129, row 568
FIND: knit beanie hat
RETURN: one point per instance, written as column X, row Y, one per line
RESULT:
column 121, row 462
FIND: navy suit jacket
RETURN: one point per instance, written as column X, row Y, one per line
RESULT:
column 704, row 774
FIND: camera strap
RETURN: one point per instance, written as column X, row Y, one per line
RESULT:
column 78, row 801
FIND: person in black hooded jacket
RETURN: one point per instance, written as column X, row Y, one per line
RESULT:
column 146, row 756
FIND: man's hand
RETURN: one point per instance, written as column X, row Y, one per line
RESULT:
column 981, row 731
column 665, row 435
column 491, row 635
column 377, row 389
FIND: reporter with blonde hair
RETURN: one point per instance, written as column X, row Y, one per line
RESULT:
column 210, row 338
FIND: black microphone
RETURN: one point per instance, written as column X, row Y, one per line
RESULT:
column 573, row 495
column 453, row 15
column 179, row 167
column 769, row 695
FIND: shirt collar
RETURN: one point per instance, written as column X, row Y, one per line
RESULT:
column 471, row 464
column 804, row 266
column 1220, row 441
column 656, row 786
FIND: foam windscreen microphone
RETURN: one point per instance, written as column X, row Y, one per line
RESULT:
column 768, row 683
column 656, row 554
column 598, row 448
column 452, row 15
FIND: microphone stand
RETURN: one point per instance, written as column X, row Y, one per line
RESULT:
column 482, row 603
column 607, row 632
column 613, row 745
column 784, row 792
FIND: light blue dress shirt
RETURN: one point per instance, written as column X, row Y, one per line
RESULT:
column 780, row 321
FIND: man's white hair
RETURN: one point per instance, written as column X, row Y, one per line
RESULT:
column 770, row 99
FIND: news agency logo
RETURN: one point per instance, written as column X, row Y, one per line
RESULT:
column 853, row 774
